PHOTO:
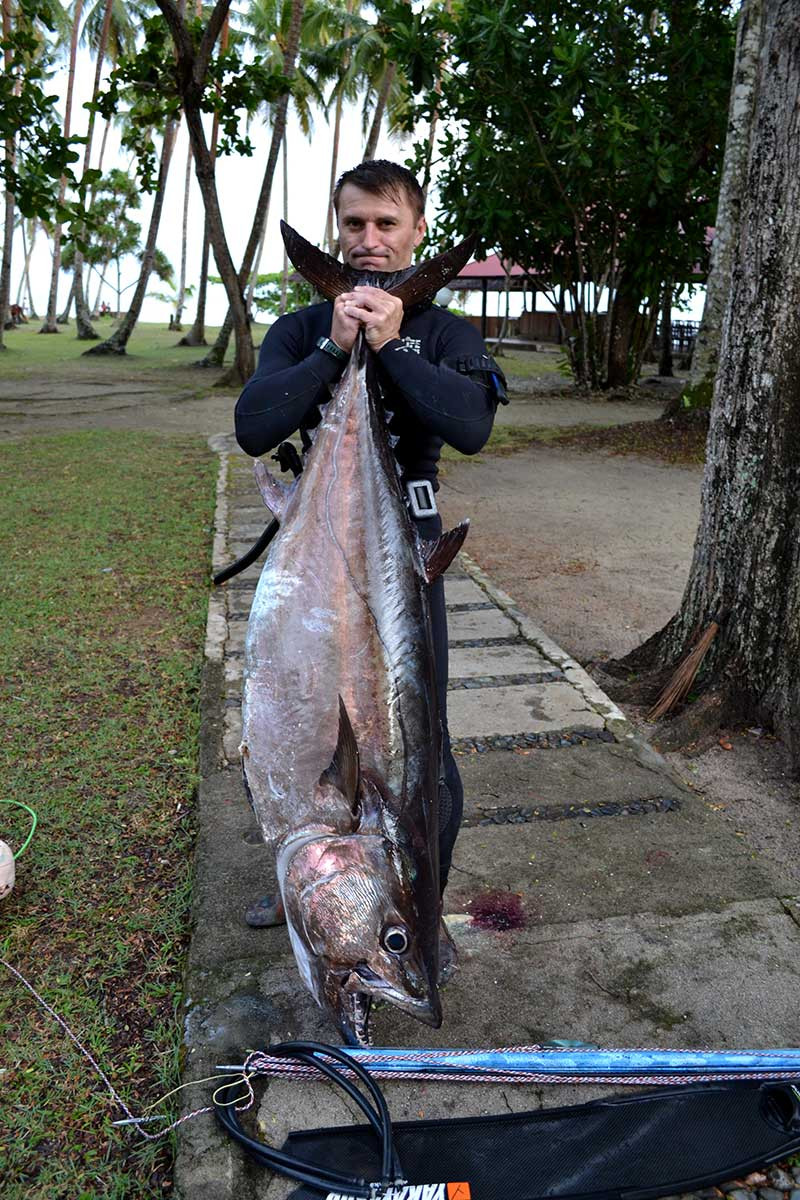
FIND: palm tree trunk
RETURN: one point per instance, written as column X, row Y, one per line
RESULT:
column 337, row 129
column 216, row 354
column 256, row 265
column 50, row 324
column 25, row 279
column 8, row 225
column 380, row 108
column 63, row 319
column 181, row 300
column 118, row 341
column 285, row 271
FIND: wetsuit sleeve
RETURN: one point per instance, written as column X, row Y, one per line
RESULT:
column 284, row 389
column 457, row 408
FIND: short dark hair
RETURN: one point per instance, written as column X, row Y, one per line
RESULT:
column 382, row 178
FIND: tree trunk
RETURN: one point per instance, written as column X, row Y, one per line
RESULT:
column 119, row 338
column 216, row 354
column 9, row 151
column 181, row 300
column 699, row 389
column 63, row 319
column 665, row 355
column 285, row 271
column 50, row 324
column 197, row 334
column 380, row 108
column 624, row 321
column 25, row 282
column 337, row 129
column 747, row 554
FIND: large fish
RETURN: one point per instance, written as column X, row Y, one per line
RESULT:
column 341, row 734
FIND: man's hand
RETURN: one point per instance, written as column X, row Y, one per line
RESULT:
column 380, row 314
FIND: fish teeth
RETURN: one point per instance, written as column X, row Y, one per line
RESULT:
column 394, row 438
column 388, row 415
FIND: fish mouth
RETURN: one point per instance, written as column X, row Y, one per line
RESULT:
column 362, row 986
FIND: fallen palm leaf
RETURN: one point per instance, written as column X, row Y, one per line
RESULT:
column 680, row 683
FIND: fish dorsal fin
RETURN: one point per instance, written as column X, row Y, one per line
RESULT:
column 434, row 274
column 438, row 554
column 274, row 493
column 330, row 277
column 343, row 772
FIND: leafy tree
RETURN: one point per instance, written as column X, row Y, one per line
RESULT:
column 583, row 139
column 268, row 294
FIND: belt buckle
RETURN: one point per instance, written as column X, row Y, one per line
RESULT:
column 421, row 498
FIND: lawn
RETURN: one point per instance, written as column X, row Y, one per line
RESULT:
column 102, row 620
column 152, row 352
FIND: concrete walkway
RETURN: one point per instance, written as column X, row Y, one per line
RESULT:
column 642, row 920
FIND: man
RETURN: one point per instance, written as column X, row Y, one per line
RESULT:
column 438, row 382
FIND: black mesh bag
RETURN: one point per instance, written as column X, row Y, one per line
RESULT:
column 623, row 1148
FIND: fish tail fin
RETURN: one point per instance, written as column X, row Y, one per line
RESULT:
column 434, row 274
column 439, row 553
column 274, row 493
column 330, row 277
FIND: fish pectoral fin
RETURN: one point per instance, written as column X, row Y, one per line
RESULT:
column 439, row 553
column 344, row 772
column 274, row 493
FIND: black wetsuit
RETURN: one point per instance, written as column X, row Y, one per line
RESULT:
column 438, row 393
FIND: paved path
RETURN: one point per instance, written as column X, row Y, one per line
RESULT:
column 643, row 919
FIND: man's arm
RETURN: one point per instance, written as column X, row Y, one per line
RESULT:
column 458, row 407
column 284, row 389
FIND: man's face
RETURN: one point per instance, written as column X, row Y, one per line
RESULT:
column 377, row 232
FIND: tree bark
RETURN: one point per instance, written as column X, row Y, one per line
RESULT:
column 747, row 554
column 698, row 391
column 216, row 354
column 622, row 334
column 118, row 341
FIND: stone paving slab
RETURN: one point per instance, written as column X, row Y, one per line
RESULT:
column 529, row 708
column 491, row 623
column 467, row 662
column 462, row 591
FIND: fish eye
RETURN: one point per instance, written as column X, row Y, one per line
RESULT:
column 395, row 939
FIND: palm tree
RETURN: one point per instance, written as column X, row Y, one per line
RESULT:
column 107, row 26
column 10, row 151
column 116, row 344
column 50, row 324
column 288, row 30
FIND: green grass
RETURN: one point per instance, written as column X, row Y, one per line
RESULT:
column 102, row 618
column 507, row 439
column 152, row 351
column 528, row 364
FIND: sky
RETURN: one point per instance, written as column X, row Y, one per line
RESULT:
column 238, row 183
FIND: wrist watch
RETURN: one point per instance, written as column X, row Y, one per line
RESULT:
column 331, row 348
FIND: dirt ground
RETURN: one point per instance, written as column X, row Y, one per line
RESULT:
column 595, row 547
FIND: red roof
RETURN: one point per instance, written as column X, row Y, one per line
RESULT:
column 487, row 270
